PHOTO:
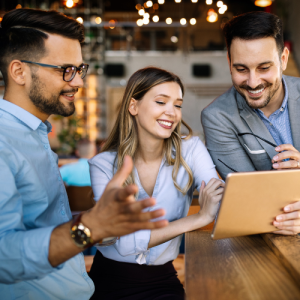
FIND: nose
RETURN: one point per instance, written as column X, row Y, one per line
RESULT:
column 254, row 79
column 170, row 111
column 76, row 82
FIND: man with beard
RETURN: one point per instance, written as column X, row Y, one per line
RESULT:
column 255, row 125
column 41, row 63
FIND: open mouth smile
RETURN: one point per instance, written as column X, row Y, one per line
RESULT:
column 165, row 124
column 256, row 93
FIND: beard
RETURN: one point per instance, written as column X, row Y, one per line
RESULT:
column 49, row 105
column 256, row 103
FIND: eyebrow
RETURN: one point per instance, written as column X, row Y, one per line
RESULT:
column 166, row 96
column 70, row 65
column 242, row 65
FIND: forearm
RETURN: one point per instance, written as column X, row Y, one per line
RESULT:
column 176, row 228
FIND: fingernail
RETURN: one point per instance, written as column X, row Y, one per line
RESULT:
column 279, row 218
column 275, row 165
column 277, row 148
column 275, row 157
column 287, row 209
column 276, row 223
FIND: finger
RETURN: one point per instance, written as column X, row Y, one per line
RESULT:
column 123, row 173
column 287, row 154
column 127, row 193
column 139, row 206
column 218, row 191
column 285, row 224
column 284, row 232
column 214, row 185
column 293, row 229
column 146, row 216
column 291, row 164
column 148, row 225
column 284, row 147
column 293, row 207
column 286, row 217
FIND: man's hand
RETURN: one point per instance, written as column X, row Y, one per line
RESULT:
column 289, row 152
column 288, row 223
column 117, row 212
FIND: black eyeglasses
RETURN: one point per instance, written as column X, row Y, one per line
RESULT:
column 69, row 71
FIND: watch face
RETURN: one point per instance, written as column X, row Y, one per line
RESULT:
column 80, row 237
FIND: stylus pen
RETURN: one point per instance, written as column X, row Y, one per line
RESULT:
column 227, row 165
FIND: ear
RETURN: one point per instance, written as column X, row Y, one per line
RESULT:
column 17, row 72
column 229, row 62
column 133, row 109
column 284, row 58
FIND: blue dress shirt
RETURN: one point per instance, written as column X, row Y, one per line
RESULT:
column 278, row 122
column 33, row 202
column 133, row 248
column 76, row 174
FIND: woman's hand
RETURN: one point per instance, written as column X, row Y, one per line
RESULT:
column 209, row 198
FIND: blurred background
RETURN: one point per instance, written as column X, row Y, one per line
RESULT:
column 122, row 36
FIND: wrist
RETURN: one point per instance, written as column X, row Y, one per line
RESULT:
column 87, row 220
column 204, row 218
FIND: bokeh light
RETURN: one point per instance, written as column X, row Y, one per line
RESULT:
column 193, row 21
column 169, row 21
column 155, row 19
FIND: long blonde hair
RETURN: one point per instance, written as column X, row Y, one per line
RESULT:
column 124, row 136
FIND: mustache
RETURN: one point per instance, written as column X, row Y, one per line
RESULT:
column 259, row 87
column 69, row 91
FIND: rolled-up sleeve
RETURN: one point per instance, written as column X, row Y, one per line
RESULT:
column 23, row 252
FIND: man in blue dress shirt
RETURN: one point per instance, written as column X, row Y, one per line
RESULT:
column 255, row 125
column 41, row 62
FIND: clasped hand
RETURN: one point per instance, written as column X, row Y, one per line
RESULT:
column 288, row 223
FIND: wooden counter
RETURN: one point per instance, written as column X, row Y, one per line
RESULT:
column 259, row 267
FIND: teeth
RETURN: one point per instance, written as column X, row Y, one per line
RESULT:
column 256, row 92
column 70, row 95
column 165, row 123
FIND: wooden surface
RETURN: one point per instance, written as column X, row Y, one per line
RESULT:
column 238, row 268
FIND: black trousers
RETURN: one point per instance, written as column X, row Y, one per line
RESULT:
column 118, row 280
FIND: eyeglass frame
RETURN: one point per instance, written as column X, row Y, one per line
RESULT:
column 78, row 69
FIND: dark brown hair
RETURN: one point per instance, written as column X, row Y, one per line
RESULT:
column 24, row 31
column 254, row 25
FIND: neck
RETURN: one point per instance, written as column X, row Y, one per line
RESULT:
column 17, row 97
column 275, row 102
column 150, row 149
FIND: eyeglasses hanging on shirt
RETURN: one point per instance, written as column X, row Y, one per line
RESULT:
column 244, row 133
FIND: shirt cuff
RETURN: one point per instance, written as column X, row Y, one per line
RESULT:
column 35, row 252
column 142, row 239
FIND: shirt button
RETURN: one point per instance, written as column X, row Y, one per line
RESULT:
column 63, row 212
column 46, row 146
column 84, row 274
column 281, row 109
column 58, row 178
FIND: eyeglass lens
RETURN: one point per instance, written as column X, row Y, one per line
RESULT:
column 70, row 72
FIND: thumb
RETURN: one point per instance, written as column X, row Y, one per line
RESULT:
column 119, row 178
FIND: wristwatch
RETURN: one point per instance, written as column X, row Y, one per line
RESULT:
column 81, row 234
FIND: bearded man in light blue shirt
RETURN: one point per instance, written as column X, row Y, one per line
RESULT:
column 41, row 63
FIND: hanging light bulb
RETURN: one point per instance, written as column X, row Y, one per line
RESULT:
column 69, row 3
column 155, row 19
column 169, row 21
column 177, row 1
column 183, row 21
column 193, row 21
column 141, row 12
column 161, row 1
column 263, row 3
column 140, row 22
column 146, row 21
column 149, row 3
column 209, row 2
column 212, row 16
column 219, row 3
column 194, row 1
column 146, row 16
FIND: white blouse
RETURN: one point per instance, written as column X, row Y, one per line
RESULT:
column 133, row 248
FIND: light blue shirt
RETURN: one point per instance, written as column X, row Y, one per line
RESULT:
column 133, row 248
column 33, row 202
column 76, row 174
column 278, row 122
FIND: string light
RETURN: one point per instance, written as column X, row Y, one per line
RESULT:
column 177, row 1
column 193, row 21
column 146, row 21
column 183, row 21
column 79, row 20
column 220, row 3
column 98, row 20
column 141, row 12
column 69, row 3
column 146, row 16
column 161, row 1
column 169, row 21
column 222, row 9
column 194, row 1
column 209, row 2
column 140, row 22
column 155, row 19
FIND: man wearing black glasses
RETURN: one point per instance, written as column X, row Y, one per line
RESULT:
column 255, row 125
column 41, row 63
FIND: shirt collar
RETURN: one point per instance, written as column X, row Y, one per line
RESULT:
column 23, row 115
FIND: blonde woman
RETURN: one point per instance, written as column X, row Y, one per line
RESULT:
column 169, row 168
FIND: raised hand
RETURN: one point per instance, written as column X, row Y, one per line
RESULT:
column 287, row 151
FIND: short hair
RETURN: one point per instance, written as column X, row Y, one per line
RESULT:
column 254, row 25
column 23, row 33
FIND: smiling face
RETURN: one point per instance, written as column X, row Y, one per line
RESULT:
column 256, row 69
column 47, row 89
column 159, row 112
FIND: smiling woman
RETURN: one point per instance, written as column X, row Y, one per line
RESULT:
column 167, row 166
